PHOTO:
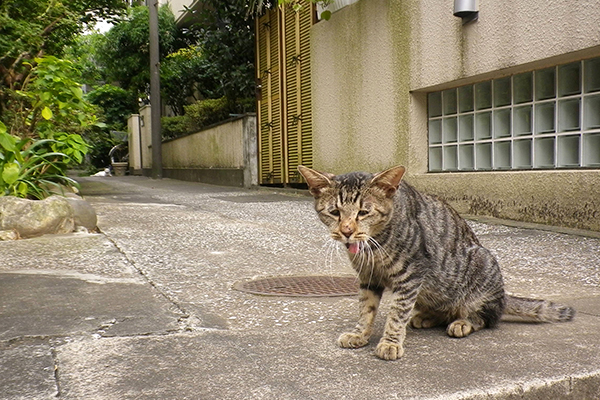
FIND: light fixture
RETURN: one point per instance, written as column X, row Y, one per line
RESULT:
column 468, row 10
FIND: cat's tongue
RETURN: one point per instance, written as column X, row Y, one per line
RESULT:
column 353, row 248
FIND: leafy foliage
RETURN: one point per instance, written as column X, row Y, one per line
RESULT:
column 202, row 114
column 46, row 119
column 43, row 113
column 33, row 28
column 124, row 54
column 116, row 104
column 84, row 53
column 51, row 100
column 172, row 127
column 185, row 76
column 226, row 38
column 32, row 169
column 207, row 112
column 216, row 72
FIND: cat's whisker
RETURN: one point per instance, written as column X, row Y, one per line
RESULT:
column 380, row 248
column 333, row 248
column 368, row 258
column 329, row 248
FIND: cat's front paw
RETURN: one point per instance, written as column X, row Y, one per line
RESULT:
column 388, row 350
column 352, row 340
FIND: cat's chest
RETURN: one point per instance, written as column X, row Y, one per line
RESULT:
column 375, row 266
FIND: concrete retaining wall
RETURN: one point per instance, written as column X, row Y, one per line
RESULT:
column 224, row 154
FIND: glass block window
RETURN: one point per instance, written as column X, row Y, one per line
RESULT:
column 544, row 119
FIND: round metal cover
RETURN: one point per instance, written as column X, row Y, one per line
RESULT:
column 302, row 286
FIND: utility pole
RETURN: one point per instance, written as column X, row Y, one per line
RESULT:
column 155, row 105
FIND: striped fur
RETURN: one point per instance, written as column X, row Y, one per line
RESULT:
column 421, row 250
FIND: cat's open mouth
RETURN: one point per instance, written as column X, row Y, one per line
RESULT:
column 354, row 248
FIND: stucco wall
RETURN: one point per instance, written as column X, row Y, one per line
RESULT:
column 354, row 91
column 374, row 61
column 219, row 147
column 511, row 33
column 146, row 137
column 225, row 154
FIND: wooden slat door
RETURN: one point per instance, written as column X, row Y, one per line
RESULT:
column 284, row 111
column 269, row 101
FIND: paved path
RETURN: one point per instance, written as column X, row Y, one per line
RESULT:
column 146, row 309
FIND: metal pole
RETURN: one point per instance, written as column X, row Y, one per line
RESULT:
column 155, row 92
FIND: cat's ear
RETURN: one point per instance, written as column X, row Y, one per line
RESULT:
column 317, row 181
column 389, row 180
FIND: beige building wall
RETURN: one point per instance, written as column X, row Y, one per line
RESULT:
column 356, row 94
column 374, row 62
column 178, row 7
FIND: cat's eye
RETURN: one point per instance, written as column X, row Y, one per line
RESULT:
column 362, row 213
column 335, row 212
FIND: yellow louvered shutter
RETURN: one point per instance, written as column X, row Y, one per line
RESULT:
column 269, row 101
column 284, row 114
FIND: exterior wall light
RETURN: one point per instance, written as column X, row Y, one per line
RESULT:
column 468, row 10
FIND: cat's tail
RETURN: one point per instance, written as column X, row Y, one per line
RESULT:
column 538, row 310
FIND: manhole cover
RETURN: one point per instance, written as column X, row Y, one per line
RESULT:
column 303, row 286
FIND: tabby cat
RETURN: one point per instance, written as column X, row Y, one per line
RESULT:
column 420, row 249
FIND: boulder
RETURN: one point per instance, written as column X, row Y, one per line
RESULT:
column 83, row 213
column 29, row 218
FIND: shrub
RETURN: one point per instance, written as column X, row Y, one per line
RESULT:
column 173, row 127
column 116, row 103
column 207, row 112
column 202, row 114
column 30, row 168
column 46, row 120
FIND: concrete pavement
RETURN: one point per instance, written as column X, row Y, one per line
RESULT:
column 146, row 309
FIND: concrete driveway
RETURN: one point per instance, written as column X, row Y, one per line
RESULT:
column 147, row 309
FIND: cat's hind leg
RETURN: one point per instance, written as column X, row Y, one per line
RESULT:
column 464, row 327
column 486, row 301
column 369, row 298
column 466, row 322
column 422, row 319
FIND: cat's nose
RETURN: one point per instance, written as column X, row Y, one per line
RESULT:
column 347, row 229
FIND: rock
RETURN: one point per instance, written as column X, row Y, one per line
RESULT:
column 30, row 218
column 9, row 235
column 84, row 213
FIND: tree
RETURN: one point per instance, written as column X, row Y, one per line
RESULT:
column 42, row 109
column 30, row 29
column 46, row 119
column 226, row 38
column 84, row 52
column 185, row 76
column 124, row 53
column 116, row 104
